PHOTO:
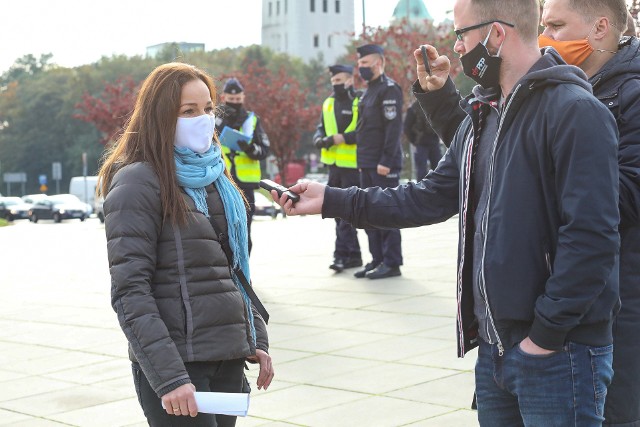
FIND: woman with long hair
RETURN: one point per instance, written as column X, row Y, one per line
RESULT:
column 175, row 283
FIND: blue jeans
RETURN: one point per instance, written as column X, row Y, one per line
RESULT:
column 566, row 388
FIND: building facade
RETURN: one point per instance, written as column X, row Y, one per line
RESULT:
column 308, row 29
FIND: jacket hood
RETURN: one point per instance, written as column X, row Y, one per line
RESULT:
column 551, row 69
column 625, row 63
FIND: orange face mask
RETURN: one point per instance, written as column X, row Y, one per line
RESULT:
column 574, row 52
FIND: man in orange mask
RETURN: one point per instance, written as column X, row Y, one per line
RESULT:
column 587, row 33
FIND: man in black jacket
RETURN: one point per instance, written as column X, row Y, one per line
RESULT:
column 243, row 159
column 379, row 154
column 422, row 136
column 532, row 172
column 613, row 69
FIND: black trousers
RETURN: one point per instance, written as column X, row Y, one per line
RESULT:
column 347, row 245
column 385, row 245
column 226, row 376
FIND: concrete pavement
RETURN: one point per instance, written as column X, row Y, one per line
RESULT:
column 346, row 351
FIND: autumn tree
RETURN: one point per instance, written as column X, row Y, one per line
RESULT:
column 111, row 109
column 634, row 8
column 282, row 103
column 399, row 41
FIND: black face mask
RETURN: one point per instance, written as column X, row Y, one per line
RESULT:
column 340, row 91
column 233, row 108
column 481, row 66
column 366, row 73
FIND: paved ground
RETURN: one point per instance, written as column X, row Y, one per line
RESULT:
column 347, row 352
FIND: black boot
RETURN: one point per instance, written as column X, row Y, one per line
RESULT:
column 361, row 273
column 383, row 271
column 338, row 265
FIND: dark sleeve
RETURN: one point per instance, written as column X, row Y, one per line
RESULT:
column 349, row 137
column 393, row 126
column 432, row 200
column 409, row 122
column 262, row 337
column 442, row 108
column 320, row 132
column 629, row 152
column 133, row 220
column 582, row 143
column 260, row 143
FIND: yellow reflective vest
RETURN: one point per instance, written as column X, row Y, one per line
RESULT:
column 342, row 155
column 246, row 168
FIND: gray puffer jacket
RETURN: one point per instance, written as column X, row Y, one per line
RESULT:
column 172, row 287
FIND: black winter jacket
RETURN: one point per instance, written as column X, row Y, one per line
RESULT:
column 550, row 232
column 617, row 85
column 172, row 287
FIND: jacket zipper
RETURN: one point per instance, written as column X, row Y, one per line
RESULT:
column 485, row 223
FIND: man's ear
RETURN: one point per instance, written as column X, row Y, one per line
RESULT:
column 601, row 29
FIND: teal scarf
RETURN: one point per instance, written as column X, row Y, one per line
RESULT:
column 196, row 171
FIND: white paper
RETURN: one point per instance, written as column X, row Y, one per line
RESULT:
column 209, row 402
column 223, row 403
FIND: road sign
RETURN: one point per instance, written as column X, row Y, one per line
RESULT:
column 11, row 177
column 42, row 179
column 56, row 170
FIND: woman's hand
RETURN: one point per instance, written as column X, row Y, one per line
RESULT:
column 181, row 401
column 266, row 368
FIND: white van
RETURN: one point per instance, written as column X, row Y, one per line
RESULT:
column 84, row 188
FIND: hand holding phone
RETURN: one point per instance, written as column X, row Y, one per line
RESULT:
column 425, row 59
column 269, row 185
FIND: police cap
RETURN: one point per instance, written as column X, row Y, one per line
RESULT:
column 339, row 68
column 232, row 86
column 368, row 49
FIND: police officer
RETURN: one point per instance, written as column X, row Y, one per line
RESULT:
column 336, row 138
column 425, row 140
column 245, row 164
column 379, row 153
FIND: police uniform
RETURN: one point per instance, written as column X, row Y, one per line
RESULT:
column 378, row 143
column 244, row 165
column 339, row 116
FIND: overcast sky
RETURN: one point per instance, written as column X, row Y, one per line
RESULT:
column 79, row 32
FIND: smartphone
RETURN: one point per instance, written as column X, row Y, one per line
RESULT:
column 269, row 185
column 425, row 59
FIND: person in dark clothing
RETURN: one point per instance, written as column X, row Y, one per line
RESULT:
column 379, row 154
column 422, row 136
column 336, row 139
column 189, row 321
column 244, row 160
column 613, row 69
column 532, row 172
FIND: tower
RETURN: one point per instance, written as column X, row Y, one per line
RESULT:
column 414, row 11
column 308, row 29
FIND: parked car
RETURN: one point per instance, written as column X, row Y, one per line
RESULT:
column 99, row 208
column 32, row 198
column 265, row 206
column 13, row 208
column 57, row 208
column 322, row 178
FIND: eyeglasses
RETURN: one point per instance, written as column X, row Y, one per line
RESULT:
column 461, row 31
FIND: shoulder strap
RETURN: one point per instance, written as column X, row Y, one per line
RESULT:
column 224, row 242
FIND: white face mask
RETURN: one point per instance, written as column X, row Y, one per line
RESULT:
column 195, row 133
